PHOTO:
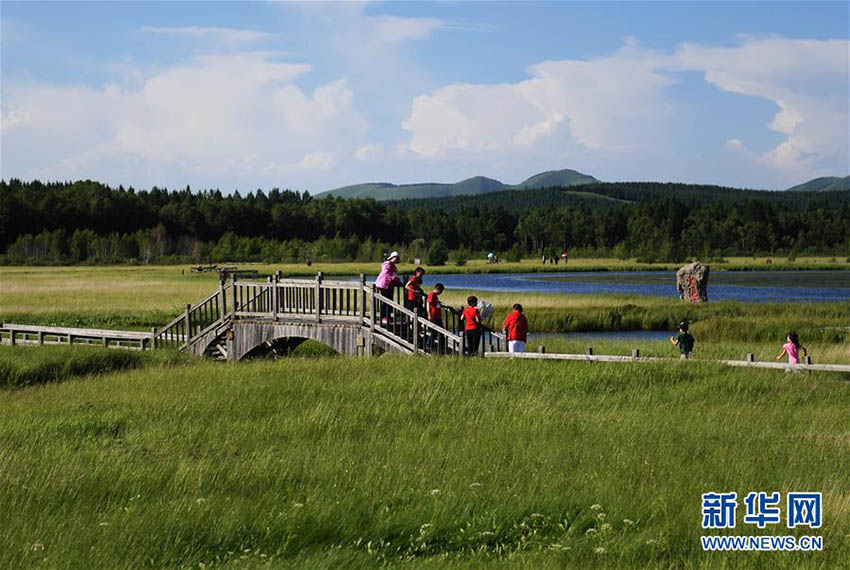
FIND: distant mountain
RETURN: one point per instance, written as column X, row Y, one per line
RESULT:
column 470, row 186
column 825, row 184
column 556, row 179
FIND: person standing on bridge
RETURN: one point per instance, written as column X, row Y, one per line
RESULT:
column 435, row 315
column 387, row 279
column 471, row 326
column 516, row 329
column 413, row 294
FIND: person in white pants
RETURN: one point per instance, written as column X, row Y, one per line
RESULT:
column 516, row 330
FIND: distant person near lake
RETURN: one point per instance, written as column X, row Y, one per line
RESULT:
column 516, row 329
column 685, row 341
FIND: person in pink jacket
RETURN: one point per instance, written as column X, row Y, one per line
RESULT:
column 792, row 348
column 387, row 279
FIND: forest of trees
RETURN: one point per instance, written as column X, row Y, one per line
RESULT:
column 90, row 222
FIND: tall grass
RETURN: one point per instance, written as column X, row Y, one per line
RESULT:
column 438, row 462
column 27, row 366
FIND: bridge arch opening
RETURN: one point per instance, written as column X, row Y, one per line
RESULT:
column 291, row 346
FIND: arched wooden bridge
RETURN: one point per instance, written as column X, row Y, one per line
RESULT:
column 244, row 318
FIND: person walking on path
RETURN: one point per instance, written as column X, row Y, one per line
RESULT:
column 792, row 348
column 516, row 330
column 685, row 341
column 434, row 308
column 471, row 326
column 387, row 279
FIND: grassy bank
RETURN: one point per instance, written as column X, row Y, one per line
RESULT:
column 429, row 462
column 724, row 320
column 27, row 366
column 706, row 349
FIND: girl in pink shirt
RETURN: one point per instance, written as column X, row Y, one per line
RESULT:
column 792, row 348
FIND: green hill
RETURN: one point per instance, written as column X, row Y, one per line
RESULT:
column 824, row 184
column 468, row 187
column 556, row 179
column 387, row 191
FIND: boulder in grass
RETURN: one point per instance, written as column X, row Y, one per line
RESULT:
column 692, row 282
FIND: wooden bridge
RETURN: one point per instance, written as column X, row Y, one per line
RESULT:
column 248, row 318
column 253, row 318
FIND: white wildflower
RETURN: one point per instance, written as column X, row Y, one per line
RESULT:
column 600, row 516
column 605, row 527
column 596, row 507
column 435, row 492
column 475, row 485
column 297, row 505
column 200, row 500
column 590, row 531
column 629, row 522
column 599, row 550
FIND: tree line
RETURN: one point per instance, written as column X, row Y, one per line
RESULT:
column 90, row 222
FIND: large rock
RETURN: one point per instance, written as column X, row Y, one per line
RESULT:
column 692, row 282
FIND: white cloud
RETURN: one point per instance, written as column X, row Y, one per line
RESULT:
column 622, row 104
column 605, row 103
column 807, row 79
column 226, row 35
column 212, row 120
column 369, row 152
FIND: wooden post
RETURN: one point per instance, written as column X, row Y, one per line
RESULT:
column 807, row 359
column 541, row 349
column 589, row 351
column 188, row 322
column 374, row 308
column 275, row 301
column 319, row 279
column 415, row 333
column 233, row 296
column 11, row 337
column 751, row 357
column 104, row 341
column 222, row 299
column 40, row 338
column 362, row 299
column 70, row 339
column 635, row 353
column 153, row 337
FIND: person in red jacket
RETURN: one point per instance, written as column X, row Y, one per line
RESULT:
column 516, row 330
column 413, row 294
column 471, row 326
column 434, row 309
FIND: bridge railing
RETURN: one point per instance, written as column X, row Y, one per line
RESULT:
column 192, row 322
column 411, row 329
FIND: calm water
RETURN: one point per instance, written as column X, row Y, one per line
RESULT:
column 723, row 285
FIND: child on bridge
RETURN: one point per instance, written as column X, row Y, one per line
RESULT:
column 472, row 326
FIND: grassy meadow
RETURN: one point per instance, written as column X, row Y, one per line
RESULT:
column 336, row 462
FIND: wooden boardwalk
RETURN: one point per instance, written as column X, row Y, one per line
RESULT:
column 243, row 318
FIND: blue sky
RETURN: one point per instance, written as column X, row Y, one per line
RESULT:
column 319, row 95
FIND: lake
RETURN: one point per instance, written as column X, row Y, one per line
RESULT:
column 758, row 286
